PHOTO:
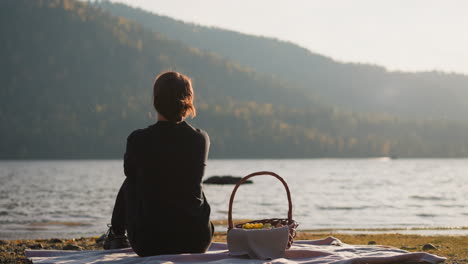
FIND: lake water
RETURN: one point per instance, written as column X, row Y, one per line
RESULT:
column 43, row 199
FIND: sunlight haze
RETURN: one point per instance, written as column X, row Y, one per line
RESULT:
column 416, row 35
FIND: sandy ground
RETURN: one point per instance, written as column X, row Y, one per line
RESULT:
column 454, row 248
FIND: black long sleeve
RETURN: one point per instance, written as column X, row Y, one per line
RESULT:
column 165, row 164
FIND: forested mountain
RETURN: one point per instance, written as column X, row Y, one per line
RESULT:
column 75, row 81
column 357, row 87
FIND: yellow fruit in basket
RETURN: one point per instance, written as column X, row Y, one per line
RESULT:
column 252, row 226
column 256, row 226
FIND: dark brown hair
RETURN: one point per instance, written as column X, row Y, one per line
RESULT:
column 173, row 96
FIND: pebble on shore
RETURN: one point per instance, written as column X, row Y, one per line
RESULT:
column 429, row 246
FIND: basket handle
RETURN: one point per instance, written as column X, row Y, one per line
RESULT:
column 231, row 200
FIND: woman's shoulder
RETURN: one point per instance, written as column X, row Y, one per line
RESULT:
column 191, row 131
column 200, row 132
column 137, row 134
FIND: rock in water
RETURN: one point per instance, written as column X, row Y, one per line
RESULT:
column 224, row 180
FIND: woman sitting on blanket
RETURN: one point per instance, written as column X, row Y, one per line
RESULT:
column 161, row 204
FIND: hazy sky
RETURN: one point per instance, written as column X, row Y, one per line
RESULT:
column 412, row 35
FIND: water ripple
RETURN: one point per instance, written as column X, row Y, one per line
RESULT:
column 326, row 193
column 430, row 198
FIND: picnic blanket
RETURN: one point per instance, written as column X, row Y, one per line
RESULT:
column 328, row 250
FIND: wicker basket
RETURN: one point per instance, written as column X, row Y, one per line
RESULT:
column 274, row 221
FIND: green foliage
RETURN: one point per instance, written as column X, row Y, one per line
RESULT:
column 253, row 130
column 75, row 81
column 357, row 87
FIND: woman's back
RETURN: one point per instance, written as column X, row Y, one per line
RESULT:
column 164, row 164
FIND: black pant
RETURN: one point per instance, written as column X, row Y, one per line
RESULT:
column 166, row 242
column 119, row 213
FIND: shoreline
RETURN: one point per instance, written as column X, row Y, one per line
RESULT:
column 453, row 247
column 221, row 225
column 422, row 231
column 65, row 230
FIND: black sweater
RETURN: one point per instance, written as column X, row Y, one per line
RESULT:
column 164, row 164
